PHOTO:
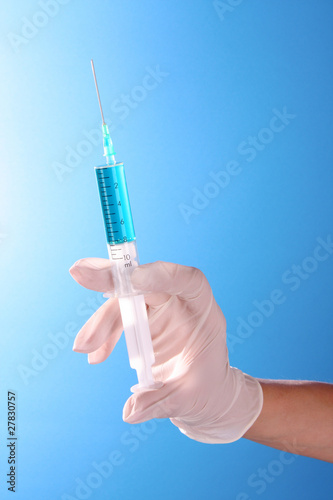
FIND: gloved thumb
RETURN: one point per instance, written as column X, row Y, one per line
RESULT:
column 160, row 403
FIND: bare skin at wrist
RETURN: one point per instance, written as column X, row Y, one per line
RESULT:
column 297, row 416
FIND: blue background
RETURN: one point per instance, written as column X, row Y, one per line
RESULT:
column 223, row 74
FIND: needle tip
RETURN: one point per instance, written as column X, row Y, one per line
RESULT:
column 99, row 100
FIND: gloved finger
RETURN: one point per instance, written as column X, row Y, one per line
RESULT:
column 165, row 402
column 166, row 278
column 103, row 325
column 103, row 352
column 93, row 273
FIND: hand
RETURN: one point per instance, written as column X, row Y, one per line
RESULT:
column 207, row 399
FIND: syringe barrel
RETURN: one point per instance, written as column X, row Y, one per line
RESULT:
column 115, row 203
column 119, row 228
column 124, row 259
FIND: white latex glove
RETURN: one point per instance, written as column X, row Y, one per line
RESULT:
column 207, row 399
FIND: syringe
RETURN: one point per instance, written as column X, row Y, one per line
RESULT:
column 121, row 243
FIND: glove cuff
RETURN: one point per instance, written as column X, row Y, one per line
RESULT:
column 239, row 417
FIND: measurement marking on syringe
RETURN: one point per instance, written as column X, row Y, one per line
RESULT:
column 113, row 252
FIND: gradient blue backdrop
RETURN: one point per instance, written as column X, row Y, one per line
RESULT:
column 224, row 69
